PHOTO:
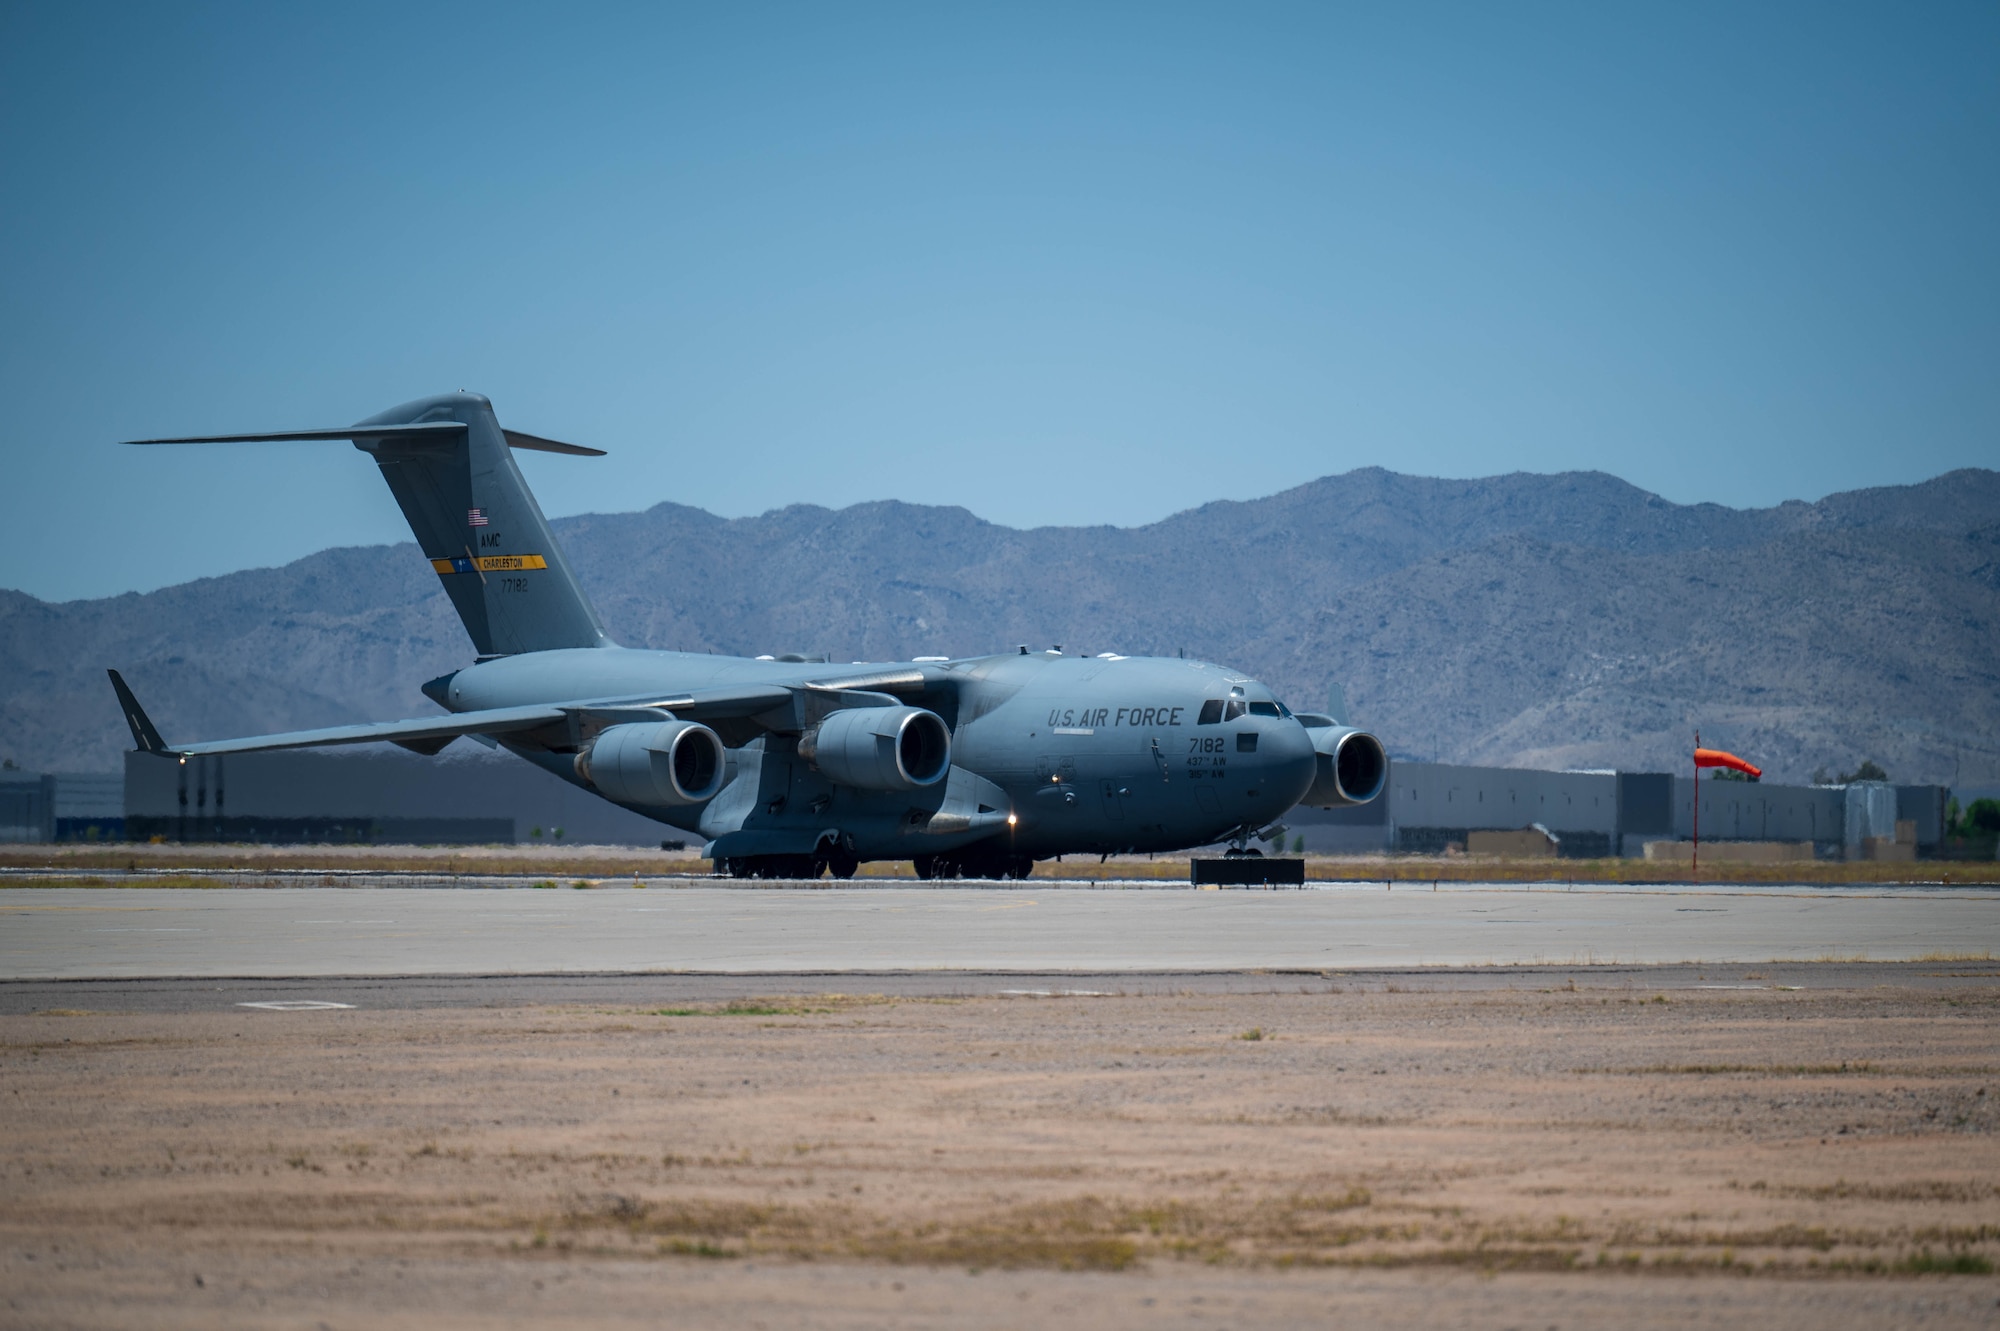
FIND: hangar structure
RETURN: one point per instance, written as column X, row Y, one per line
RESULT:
column 1431, row 807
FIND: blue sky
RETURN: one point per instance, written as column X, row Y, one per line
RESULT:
column 1061, row 264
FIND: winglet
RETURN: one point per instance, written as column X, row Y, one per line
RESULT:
column 144, row 736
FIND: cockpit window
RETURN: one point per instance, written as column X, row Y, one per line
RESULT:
column 1233, row 710
column 1268, row 709
column 1211, row 712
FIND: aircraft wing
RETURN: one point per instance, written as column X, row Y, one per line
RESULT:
column 737, row 712
column 719, row 704
column 427, row 734
column 778, row 707
column 731, row 708
column 741, row 712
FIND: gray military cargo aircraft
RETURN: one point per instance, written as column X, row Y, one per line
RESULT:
column 789, row 767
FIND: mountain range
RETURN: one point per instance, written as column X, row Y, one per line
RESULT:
column 1571, row 620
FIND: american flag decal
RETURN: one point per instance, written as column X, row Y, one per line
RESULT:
column 475, row 517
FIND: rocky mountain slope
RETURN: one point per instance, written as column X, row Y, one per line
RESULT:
column 1568, row 620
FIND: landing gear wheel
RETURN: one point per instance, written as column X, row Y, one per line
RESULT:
column 926, row 866
column 842, row 864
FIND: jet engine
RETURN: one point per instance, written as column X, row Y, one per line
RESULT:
column 880, row 748
column 654, row 763
column 1352, row 767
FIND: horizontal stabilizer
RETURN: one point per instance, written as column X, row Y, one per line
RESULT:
column 431, row 429
column 535, row 443
column 427, row 429
column 453, row 472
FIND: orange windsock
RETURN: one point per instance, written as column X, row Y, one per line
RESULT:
column 1717, row 758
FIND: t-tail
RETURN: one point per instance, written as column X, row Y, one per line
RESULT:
column 451, row 467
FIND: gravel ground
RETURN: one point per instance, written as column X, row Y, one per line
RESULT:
column 1533, row 1156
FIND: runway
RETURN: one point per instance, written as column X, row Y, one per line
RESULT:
column 362, row 932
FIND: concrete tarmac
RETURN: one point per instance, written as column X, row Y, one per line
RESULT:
column 132, row 933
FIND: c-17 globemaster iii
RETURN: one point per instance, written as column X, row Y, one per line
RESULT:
column 790, row 767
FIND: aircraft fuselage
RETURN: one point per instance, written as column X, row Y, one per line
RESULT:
column 1051, row 754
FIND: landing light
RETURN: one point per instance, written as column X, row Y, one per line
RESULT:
column 1012, row 820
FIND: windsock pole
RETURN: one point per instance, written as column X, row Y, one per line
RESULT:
column 1694, row 863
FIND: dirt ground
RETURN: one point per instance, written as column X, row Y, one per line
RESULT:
column 1603, row 1155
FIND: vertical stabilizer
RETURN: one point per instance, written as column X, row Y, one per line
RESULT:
column 479, row 526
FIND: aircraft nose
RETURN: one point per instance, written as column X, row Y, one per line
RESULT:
column 1291, row 761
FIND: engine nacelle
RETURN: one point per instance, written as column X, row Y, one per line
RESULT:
column 1353, row 767
column 664, row 763
column 880, row 748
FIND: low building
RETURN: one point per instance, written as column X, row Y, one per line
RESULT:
column 1427, row 808
column 1764, row 811
column 90, row 806
column 27, row 806
column 369, row 796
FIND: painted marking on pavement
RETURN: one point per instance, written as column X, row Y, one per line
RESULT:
column 297, row 1005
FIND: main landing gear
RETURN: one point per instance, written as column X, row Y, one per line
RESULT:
column 967, row 864
column 841, row 863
